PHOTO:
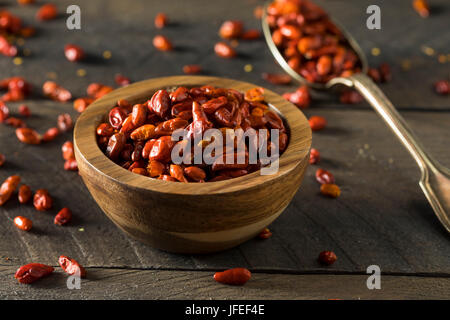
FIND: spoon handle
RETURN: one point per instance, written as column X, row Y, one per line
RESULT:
column 435, row 180
column 370, row 91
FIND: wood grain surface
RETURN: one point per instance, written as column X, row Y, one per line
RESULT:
column 103, row 283
column 382, row 216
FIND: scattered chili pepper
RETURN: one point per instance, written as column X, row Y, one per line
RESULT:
column 67, row 150
column 374, row 74
column 161, row 20
column 65, row 122
column 351, row 97
column 231, row 29
column 330, row 189
column 442, row 87
column 23, row 223
column 81, row 104
column 323, row 176
column 24, row 111
column 314, row 156
column 47, row 12
column 192, row 69
column 42, row 200
column 317, row 123
column 15, row 122
column 71, row 165
column 71, row 266
column 25, row 2
column 327, row 257
column 4, row 111
column 273, row 78
column 7, row 188
column 98, row 90
column 63, row 217
column 121, row 80
column 24, row 194
column 422, row 8
column 50, row 134
column 385, row 72
column 28, row 136
column 138, row 137
column 73, row 52
column 236, row 276
column 162, row 43
column 18, row 88
column 6, row 48
column 265, row 234
column 223, row 50
column 55, row 92
column 300, row 97
column 2, row 159
column 31, row 272
column 251, row 34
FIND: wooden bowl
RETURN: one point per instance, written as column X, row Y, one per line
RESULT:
column 189, row 217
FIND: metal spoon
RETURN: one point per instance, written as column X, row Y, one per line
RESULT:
column 435, row 179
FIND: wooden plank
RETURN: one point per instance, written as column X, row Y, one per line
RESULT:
column 103, row 283
column 381, row 218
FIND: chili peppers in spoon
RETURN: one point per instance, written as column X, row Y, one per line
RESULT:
column 314, row 51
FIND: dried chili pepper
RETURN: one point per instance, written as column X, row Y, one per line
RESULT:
column 23, row 223
column 55, row 92
column 2, row 159
column 327, row 257
column 162, row 43
column 442, row 87
column 71, row 165
column 68, row 150
column 47, row 12
column 32, row 272
column 50, row 134
column 223, row 50
column 192, row 69
column 300, row 97
column 265, row 234
column 231, row 29
column 81, row 104
column 121, row 80
column 28, row 136
column 314, row 156
column 7, row 188
column 236, row 276
column 24, row 111
column 330, row 189
column 42, row 200
column 273, row 78
column 73, row 52
column 63, row 217
column 323, row 176
column 24, row 194
column 161, row 20
column 65, row 122
column 422, row 8
column 317, row 123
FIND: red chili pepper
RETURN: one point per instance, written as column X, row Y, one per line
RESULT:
column 31, row 272
column 236, row 276
column 71, row 266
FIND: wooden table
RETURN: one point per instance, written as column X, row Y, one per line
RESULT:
column 382, row 217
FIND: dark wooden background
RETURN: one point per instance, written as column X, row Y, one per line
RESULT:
column 381, row 218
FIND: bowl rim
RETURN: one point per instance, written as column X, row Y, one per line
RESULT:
column 88, row 152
